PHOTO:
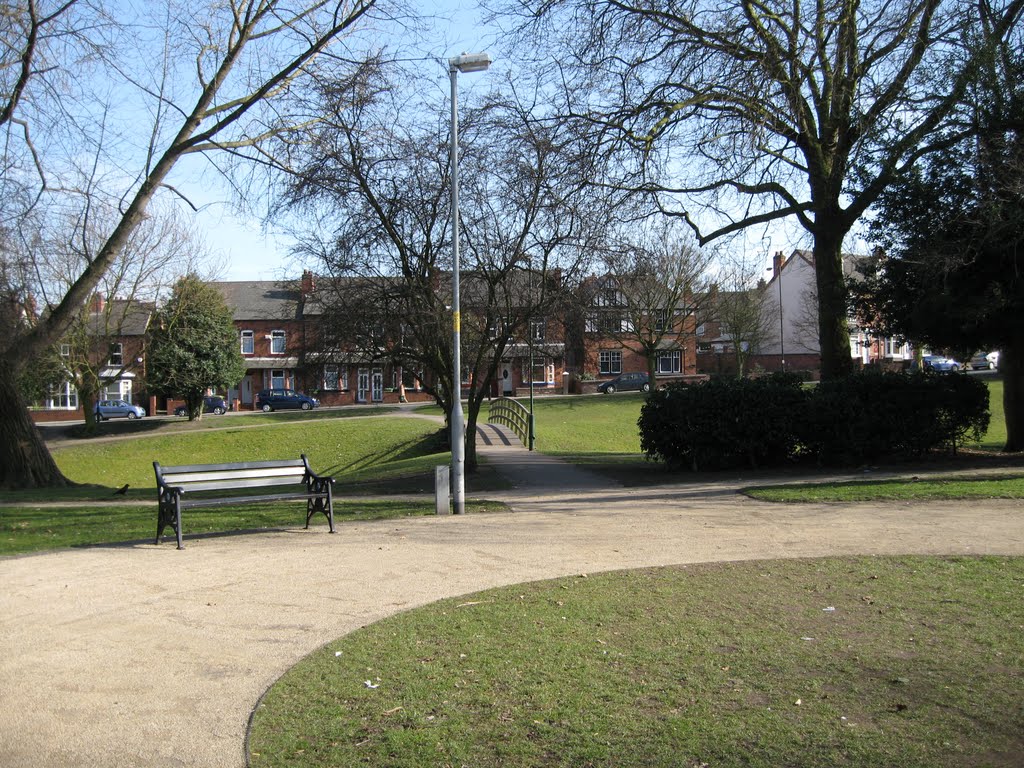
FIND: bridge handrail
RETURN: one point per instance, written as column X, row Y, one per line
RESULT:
column 512, row 414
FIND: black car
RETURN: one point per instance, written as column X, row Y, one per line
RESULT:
column 626, row 382
column 279, row 399
column 211, row 404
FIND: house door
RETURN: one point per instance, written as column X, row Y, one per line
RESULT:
column 246, row 394
column 377, row 386
column 362, row 385
column 507, row 385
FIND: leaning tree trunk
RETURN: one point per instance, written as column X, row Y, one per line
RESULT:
column 1011, row 365
column 25, row 461
column 833, row 325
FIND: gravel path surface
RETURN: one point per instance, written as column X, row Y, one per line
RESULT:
column 138, row 655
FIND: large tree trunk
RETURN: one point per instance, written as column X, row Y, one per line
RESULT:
column 1011, row 365
column 833, row 326
column 25, row 461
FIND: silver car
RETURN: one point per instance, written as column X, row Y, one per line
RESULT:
column 112, row 409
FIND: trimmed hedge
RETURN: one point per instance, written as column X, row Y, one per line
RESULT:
column 773, row 420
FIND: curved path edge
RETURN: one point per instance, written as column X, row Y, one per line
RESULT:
column 141, row 655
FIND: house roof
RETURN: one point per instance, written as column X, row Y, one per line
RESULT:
column 120, row 317
column 262, row 299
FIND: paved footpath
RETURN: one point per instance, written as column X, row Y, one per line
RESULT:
column 138, row 655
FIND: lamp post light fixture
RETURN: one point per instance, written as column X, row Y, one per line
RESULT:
column 467, row 62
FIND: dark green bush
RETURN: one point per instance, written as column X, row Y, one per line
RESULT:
column 867, row 416
column 723, row 422
column 872, row 415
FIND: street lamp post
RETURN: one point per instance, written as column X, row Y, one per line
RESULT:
column 467, row 62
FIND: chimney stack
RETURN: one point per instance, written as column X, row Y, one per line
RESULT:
column 308, row 283
column 777, row 263
column 98, row 304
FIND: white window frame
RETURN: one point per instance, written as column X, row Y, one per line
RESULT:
column 278, row 374
column 116, row 354
column 538, row 329
column 278, row 342
column 610, row 361
column 249, row 336
column 670, row 361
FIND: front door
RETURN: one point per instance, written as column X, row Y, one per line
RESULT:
column 507, row 385
column 377, row 386
column 362, row 385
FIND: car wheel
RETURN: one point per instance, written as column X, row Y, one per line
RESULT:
column 645, row 388
column 218, row 410
column 609, row 390
column 267, row 408
column 306, row 406
column 132, row 415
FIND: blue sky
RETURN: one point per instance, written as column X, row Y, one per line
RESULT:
column 242, row 249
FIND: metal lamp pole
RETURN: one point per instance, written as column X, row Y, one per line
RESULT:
column 467, row 62
column 532, row 435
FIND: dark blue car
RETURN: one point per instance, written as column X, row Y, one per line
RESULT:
column 626, row 382
column 281, row 399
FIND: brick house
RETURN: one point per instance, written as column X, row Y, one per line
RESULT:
column 613, row 333
column 109, row 344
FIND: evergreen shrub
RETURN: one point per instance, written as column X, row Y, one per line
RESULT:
column 768, row 421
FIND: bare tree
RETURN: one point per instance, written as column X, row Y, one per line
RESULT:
column 379, row 185
column 649, row 294
column 209, row 78
column 91, row 350
column 744, row 312
column 741, row 113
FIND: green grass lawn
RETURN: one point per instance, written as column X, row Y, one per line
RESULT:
column 349, row 449
column 864, row 662
column 38, row 528
column 939, row 489
column 376, row 455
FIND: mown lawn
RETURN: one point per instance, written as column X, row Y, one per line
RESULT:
column 347, row 448
column 861, row 662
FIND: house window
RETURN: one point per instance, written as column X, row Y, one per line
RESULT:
column 62, row 396
column 537, row 328
column 610, row 361
column 331, row 380
column 277, row 379
column 701, row 329
column 65, row 350
column 670, row 362
column 661, row 320
column 894, row 348
column 277, row 342
column 116, row 354
column 543, row 373
column 248, row 343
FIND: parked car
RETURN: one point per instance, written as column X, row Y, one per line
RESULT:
column 985, row 361
column 626, row 382
column 112, row 409
column 940, row 363
column 279, row 399
column 211, row 404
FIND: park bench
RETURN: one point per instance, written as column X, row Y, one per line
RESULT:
column 202, row 485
